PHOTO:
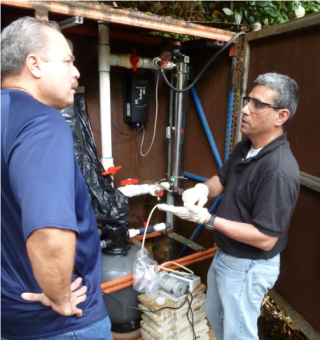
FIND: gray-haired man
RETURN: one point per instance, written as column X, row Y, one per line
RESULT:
column 260, row 182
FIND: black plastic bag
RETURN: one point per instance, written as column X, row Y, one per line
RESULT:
column 108, row 203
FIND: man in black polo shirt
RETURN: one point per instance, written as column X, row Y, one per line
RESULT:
column 260, row 182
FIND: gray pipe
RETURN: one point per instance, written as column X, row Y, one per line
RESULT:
column 180, row 103
column 170, row 196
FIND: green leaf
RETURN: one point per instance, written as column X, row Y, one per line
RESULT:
column 227, row 11
column 296, row 4
column 291, row 7
column 284, row 15
column 263, row 3
column 167, row 35
column 258, row 17
column 214, row 19
column 313, row 7
column 252, row 19
column 237, row 17
column 272, row 12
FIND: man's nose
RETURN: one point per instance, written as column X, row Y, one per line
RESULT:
column 245, row 109
column 76, row 72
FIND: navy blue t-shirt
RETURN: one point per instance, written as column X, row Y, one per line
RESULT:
column 42, row 186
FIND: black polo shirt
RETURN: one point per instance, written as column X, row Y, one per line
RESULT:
column 261, row 190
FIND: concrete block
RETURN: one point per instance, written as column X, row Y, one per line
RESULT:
column 184, row 333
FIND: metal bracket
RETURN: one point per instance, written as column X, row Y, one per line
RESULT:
column 310, row 181
column 71, row 22
column 184, row 241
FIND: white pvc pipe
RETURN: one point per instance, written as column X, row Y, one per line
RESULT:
column 105, row 97
column 123, row 60
column 132, row 190
column 105, row 61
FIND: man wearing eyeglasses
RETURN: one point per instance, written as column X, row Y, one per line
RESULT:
column 260, row 183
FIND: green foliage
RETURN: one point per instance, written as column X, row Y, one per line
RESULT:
column 176, row 36
column 266, row 12
column 240, row 13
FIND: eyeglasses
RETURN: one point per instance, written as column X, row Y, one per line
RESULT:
column 255, row 104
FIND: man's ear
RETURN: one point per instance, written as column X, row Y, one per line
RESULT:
column 283, row 116
column 33, row 64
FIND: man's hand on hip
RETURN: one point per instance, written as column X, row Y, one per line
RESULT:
column 69, row 307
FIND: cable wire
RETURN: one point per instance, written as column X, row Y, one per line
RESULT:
column 155, row 123
column 204, row 68
column 192, row 316
column 147, row 310
column 147, row 225
column 128, row 134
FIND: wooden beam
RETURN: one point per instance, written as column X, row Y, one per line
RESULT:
column 296, row 318
column 142, row 38
column 293, row 25
column 124, row 17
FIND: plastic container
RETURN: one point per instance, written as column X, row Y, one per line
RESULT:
column 152, row 291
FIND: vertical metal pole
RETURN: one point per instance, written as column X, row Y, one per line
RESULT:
column 170, row 196
column 229, row 132
column 180, row 123
column 246, row 61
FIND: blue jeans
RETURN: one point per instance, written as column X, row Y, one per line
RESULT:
column 236, row 288
column 100, row 330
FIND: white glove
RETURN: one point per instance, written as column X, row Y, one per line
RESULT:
column 189, row 212
column 197, row 194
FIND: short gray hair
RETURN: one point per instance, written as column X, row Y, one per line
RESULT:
column 19, row 39
column 287, row 91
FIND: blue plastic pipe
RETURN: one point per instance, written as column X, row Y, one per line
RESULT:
column 206, row 127
column 196, row 177
column 216, row 156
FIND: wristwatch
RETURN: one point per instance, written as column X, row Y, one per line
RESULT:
column 210, row 224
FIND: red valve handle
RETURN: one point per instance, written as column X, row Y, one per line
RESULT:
column 160, row 193
column 134, row 59
column 164, row 62
column 112, row 170
column 129, row 181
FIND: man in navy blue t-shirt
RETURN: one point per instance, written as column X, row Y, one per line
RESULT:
column 50, row 247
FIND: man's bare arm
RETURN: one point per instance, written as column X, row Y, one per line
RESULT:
column 51, row 252
column 215, row 187
column 245, row 233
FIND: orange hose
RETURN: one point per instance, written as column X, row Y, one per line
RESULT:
column 153, row 234
column 127, row 281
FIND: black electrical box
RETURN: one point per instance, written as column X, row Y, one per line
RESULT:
column 136, row 99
